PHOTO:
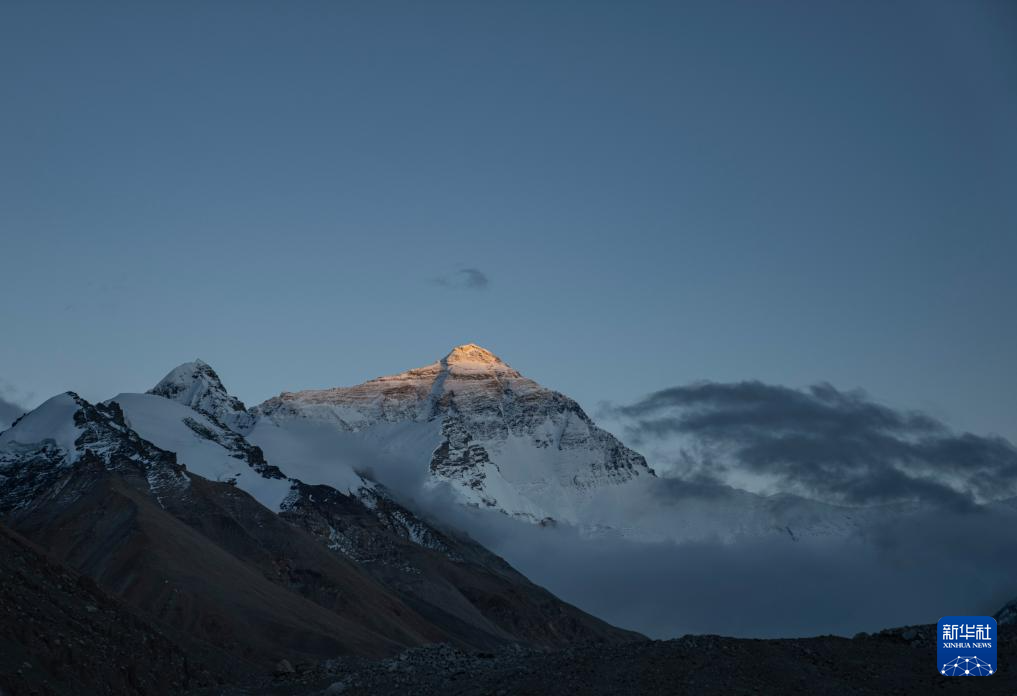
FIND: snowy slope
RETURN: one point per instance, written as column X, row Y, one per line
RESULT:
column 203, row 446
column 186, row 419
column 51, row 426
column 194, row 390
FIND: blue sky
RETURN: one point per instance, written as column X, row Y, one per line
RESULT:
column 615, row 197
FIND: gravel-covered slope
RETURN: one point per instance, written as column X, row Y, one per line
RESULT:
column 896, row 661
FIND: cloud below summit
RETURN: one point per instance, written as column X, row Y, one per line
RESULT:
column 896, row 574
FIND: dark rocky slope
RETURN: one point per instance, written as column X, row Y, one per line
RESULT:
column 474, row 595
column 61, row 634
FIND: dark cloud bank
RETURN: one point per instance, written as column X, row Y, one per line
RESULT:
column 835, row 446
column 947, row 555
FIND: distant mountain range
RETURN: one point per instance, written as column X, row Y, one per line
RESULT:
column 241, row 537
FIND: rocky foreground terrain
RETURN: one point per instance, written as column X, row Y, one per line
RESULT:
column 895, row 661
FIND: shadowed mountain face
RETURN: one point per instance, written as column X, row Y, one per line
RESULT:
column 61, row 634
column 447, row 578
column 320, row 572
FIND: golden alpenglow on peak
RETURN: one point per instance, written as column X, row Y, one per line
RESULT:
column 472, row 353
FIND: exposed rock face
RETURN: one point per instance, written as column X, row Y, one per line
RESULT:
column 502, row 440
column 67, row 432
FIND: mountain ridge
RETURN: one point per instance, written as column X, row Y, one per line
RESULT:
column 166, row 521
column 500, row 441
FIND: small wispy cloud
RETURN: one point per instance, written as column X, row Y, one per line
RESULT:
column 463, row 279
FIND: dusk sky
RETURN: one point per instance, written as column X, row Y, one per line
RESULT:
column 614, row 197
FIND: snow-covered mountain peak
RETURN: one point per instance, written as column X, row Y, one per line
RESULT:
column 471, row 353
column 196, row 384
column 500, row 439
column 470, row 361
column 189, row 382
